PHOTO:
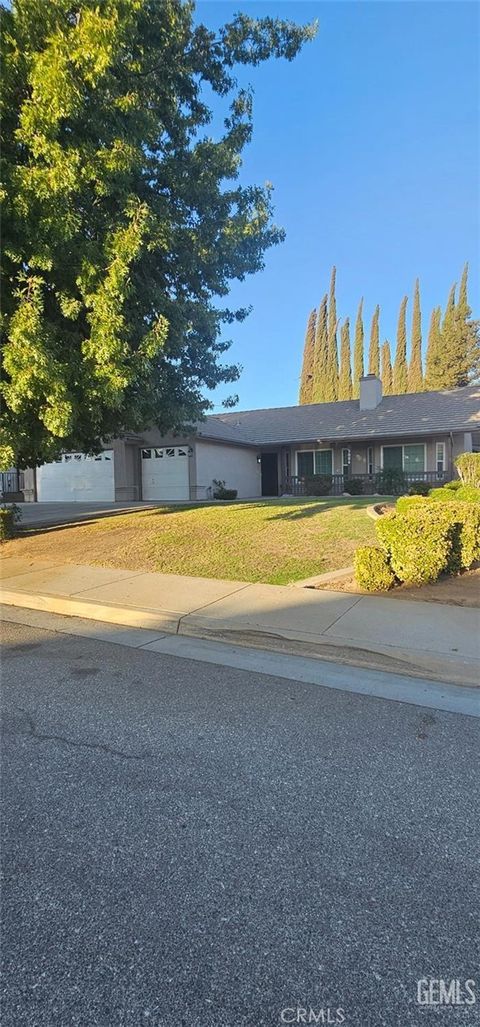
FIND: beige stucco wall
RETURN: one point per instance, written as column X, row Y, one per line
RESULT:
column 234, row 465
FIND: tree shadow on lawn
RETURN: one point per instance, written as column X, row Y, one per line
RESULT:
column 314, row 508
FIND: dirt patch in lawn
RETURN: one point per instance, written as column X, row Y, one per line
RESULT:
column 271, row 541
column 457, row 590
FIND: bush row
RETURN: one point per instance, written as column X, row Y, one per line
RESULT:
column 420, row 541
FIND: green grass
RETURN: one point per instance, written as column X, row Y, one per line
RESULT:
column 274, row 541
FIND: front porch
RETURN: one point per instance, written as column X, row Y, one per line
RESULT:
column 377, row 483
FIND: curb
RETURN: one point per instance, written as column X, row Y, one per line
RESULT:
column 323, row 579
column 352, row 652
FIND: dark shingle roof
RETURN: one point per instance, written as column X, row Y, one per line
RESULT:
column 422, row 413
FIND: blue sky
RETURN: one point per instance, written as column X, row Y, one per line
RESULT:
column 370, row 138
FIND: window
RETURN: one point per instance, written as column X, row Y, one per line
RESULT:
column 169, row 452
column 440, row 457
column 311, row 461
column 370, row 460
column 346, row 461
column 410, row 459
column 158, row 454
column 181, row 452
column 146, row 454
column 414, row 459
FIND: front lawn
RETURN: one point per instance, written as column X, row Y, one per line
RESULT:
column 275, row 541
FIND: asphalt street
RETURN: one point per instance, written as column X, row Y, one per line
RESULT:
column 191, row 844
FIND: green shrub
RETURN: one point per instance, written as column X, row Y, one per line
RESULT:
column 468, row 494
column 318, row 484
column 390, row 482
column 419, row 488
column 468, row 467
column 372, row 569
column 9, row 518
column 417, row 543
column 221, row 492
column 465, row 535
column 455, row 484
column 409, row 502
column 423, row 539
column 464, row 494
column 354, row 486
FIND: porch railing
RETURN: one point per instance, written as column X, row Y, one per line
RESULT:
column 380, row 482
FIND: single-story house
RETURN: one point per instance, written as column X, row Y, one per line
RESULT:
column 271, row 452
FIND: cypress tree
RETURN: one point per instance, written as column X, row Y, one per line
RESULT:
column 306, row 380
column 434, row 350
column 468, row 344
column 387, row 373
column 374, row 352
column 447, row 359
column 345, row 379
column 456, row 360
column 358, row 351
column 415, row 370
column 331, row 382
column 321, row 354
column 400, row 371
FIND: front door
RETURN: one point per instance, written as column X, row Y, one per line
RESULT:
column 269, row 474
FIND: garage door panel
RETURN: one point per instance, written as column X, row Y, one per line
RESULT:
column 77, row 477
column 165, row 473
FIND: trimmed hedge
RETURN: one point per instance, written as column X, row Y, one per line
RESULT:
column 463, row 493
column 410, row 502
column 424, row 538
column 416, row 542
column 9, row 516
column 372, row 569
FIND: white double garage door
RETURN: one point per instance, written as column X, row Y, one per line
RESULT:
column 77, row 477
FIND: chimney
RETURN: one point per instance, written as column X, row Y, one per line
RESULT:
column 370, row 392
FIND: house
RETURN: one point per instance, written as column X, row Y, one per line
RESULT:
column 271, row 452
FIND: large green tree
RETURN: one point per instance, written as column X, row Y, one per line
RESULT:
column 123, row 217
column 400, row 369
column 415, row 370
column 308, row 365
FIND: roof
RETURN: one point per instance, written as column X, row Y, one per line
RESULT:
column 421, row 413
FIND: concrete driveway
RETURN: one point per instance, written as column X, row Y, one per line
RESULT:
column 37, row 515
column 202, row 846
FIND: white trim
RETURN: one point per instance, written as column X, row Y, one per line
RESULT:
column 439, row 460
column 348, row 463
column 370, row 449
column 401, row 445
column 319, row 449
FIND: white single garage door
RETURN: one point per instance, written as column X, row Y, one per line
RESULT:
column 77, row 478
column 165, row 473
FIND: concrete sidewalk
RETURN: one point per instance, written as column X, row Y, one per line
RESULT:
column 423, row 639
